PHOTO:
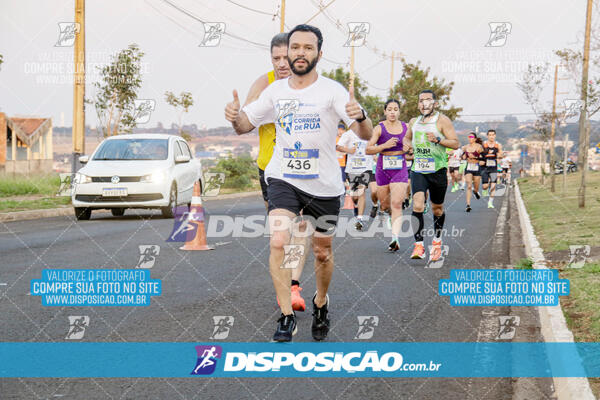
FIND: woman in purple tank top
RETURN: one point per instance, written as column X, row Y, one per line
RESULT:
column 391, row 172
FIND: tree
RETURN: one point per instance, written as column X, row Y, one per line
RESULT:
column 532, row 85
column 373, row 105
column 413, row 80
column 573, row 61
column 181, row 103
column 117, row 92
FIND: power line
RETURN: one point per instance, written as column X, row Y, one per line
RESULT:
column 189, row 14
column 252, row 9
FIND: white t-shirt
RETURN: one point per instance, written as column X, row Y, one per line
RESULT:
column 358, row 162
column 454, row 159
column 306, row 123
column 505, row 163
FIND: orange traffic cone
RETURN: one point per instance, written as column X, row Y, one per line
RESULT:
column 348, row 203
column 198, row 242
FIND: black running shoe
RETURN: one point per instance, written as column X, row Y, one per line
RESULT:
column 286, row 328
column 373, row 212
column 468, row 208
column 477, row 195
column 320, row 324
column 393, row 246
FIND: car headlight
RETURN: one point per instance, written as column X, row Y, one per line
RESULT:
column 81, row 178
column 155, row 177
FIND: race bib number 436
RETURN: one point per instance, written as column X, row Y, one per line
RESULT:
column 300, row 164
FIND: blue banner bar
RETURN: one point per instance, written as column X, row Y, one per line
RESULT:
column 225, row 359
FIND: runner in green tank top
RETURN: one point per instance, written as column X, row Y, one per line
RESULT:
column 432, row 132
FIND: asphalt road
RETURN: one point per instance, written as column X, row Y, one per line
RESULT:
column 233, row 280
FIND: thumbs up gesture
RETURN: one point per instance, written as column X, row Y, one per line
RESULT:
column 232, row 110
column 353, row 109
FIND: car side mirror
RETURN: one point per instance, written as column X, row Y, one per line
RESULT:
column 182, row 159
column 84, row 159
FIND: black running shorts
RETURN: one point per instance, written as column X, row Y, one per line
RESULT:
column 324, row 210
column 436, row 183
column 489, row 174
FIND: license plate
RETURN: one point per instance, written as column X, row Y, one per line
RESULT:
column 114, row 192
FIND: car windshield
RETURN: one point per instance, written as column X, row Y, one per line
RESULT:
column 133, row 149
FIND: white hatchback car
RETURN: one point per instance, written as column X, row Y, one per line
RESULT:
column 136, row 171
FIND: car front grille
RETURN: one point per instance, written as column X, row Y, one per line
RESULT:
column 94, row 198
column 121, row 178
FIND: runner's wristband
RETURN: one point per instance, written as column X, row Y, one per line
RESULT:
column 359, row 120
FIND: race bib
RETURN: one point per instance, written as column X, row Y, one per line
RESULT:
column 424, row 164
column 393, row 162
column 472, row 167
column 490, row 163
column 359, row 162
column 300, row 164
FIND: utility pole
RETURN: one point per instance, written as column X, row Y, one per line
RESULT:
column 583, row 124
column 553, row 131
column 565, row 151
column 78, row 130
column 392, row 78
column 352, row 64
column 282, row 25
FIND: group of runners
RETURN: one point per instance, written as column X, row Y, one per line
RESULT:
column 316, row 143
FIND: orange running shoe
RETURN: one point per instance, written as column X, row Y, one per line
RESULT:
column 298, row 303
column 436, row 250
column 419, row 251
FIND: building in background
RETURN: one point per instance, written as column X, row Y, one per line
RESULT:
column 25, row 145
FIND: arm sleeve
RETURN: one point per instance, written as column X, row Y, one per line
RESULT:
column 261, row 111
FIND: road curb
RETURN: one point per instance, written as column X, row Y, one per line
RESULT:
column 35, row 214
column 553, row 324
column 62, row 211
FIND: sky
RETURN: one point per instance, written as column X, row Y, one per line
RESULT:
column 449, row 37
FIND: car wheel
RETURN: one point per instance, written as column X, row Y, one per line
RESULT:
column 117, row 212
column 168, row 211
column 83, row 213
